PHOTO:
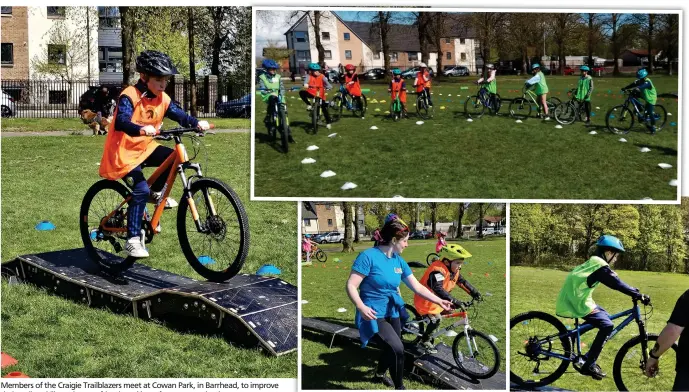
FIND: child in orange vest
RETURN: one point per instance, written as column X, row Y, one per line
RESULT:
column 316, row 83
column 129, row 145
column 423, row 82
column 441, row 277
column 353, row 85
column 398, row 86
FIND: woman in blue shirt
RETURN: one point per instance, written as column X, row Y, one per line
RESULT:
column 373, row 286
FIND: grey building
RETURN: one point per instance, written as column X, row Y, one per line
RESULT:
column 298, row 42
column 109, row 45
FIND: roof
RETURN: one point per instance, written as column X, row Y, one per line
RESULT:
column 642, row 52
column 492, row 218
column 306, row 214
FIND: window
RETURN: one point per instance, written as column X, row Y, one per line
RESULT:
column 348, row 54
column 303, row 55
column 463, row 56
column 376, row 56
column 7, row 53
column 325, row 35
column 330, row 222
column 413, row 56
column 108, row 17
column 6, row 10
column 56, row 54
column 448, row 55
column 300, row 36
column 56, row 12
column 462, row 41
column 110, row 58
column 393, row 57
column 307, row 222
column 57, row 97
column 346, row 36
column 328, row 55
column 447, row 40
column 328, row 206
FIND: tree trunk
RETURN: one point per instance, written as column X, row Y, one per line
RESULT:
column 347, row 244
column 460, row 215
column 434, row 217
column 422, row 30
column 439, row 27
column 383, row 24
column 615, row 49
column 651, row 19
column 589, row 46
column 192, row 61
column 317, row 33
column 128, row 31
column 480, row 219
column 357, row 215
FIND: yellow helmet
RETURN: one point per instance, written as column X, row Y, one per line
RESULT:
column 453, row 252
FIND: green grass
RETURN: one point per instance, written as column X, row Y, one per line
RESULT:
column 348, row 366
column 46, row 178
column 491, row 157
column 537, row 289
column 75, row 124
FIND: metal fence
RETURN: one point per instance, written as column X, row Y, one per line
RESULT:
column 32, row 98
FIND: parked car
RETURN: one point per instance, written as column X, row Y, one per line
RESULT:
column 411, row 72
column 570, row 71
column 330, row 238
column 420, row 235
column 458, row 70
column 9, row 108
column 488, row 231
column 333, row 75
column 374, row 74
column 234, row 108
column 500, row 231
column 597, row 70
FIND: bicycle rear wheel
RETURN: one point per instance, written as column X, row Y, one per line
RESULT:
column 497, row 104
column 630, row 363
column 431, row 258
column 552, row 103
column 520, row 109
column 360, row 107
column 321, row 256
column 473, row 107
column 106, row 247
column 565, row 114
column 284, row 129
column 661, row 116
column 619, row 119
column 478, row 357
column 338, row 105
column 315, row 114
column 413, row 329
column 532, row 335
column 217, row 251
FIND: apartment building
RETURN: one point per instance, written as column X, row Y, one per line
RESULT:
column 15, row 42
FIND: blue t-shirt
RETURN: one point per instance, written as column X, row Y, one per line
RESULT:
column 383, row 276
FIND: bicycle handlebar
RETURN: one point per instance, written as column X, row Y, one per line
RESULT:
column 168, row 134
column 644, row 299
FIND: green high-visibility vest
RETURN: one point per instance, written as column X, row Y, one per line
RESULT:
column 541, row 86
column 492, row 87
column 649, row 94
column 583, row 88
column 576, row 297
column 272, row 83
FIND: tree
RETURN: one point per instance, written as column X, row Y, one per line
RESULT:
column 461, row 207
column 357, row 216
column 621, row 36
column 564, row 25
column 192, row 60
column 523, row 37
column 223, row 24
column 438, row 29
column 489, row 28
column 381, row 23
column 646, row 23
column 128, row 32
column 347, row 244
column 593, row 35
column 276, row 52
column 314, row 19
column 423, row 20
column 668, row 37
column 434, row 216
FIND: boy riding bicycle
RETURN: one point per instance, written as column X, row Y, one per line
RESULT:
column 353, row 85
column 541, row 88
column 644, row 89
column 129, row 145
column 398, row 86
column 441, row 277
column 575, row 299
column 584, row 90
column 316, row 83
column 422, row 82
column 490, row 83
column 272, row 81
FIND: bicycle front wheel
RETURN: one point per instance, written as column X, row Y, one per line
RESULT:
column 422, row 107
column 431, row 258
column 497, row 104
column 338, row 105
column 520, row 109
column 284, row 129
column 218, row 248
column 476, row 354
column 473, row 107
column 321, row 256
column 315, row 114
column 619, row 119
column 360, row 107
column 534, row 339
column 630, row 363
column 565, row 114
column 103, row 239
column 552, row 103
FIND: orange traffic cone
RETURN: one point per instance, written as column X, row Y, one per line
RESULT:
column 6, row 360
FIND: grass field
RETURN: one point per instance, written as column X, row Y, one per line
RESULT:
column 537, row 289
column 491, row 157
column 75, row 124
column 45, row 178
column 349, row 366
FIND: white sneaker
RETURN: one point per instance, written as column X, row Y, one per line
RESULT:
column 328, row 126
column 169, row 203
column 135, row 248
column 308, row 107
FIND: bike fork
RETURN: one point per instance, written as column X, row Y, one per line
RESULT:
column 187, row 193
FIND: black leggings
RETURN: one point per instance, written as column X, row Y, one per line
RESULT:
column 681, row 381
column 389, row 337
column 587, row 109
column 432, row 326
column 307, row 97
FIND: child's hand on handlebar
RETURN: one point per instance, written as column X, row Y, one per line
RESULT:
column 203, row 126
column 149, row 130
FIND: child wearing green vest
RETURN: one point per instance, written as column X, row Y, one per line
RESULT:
column 490, row 83
column 273, row 82
column 584, row 90
column 648, row 93
column 541, row 88
column 576, row 297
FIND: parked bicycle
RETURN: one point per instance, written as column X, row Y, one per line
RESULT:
column 570, row 111
column 620, row 119
column 316, row 253
column 279, row 121
column 212, row 225
column 543, row 348
column 423, row 108
column 520, row 108
column 474, row 352
column 476, row 105
column 396, row 108
column 343, row 100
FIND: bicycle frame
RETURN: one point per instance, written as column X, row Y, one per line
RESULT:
column 639, row 109
column 483, row 95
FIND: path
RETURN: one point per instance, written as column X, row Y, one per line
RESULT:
column 89, row 133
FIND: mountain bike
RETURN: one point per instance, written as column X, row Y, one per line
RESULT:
column 344, row 100
column 316, row 109
column 474, row 352
column 316, row 253
column 620, row 119
column 570, row 111
column 520, row 108
column 542, row 349
column 396, row 108
column 212, row 225
column 476, row 105
column 278, row 121
column 423, row 109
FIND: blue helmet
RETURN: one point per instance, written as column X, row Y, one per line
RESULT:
column 642, row 73
column 585, row 68
column 270, row 64
column 610, row 241
column 536, row 65
column 396, row 71
column 307, row 235
column 314, row 67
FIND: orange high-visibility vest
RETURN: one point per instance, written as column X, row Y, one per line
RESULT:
column 353, row 89
column 424, row 306
column 122, row 153
column 395, row 87
column 421, row 83
column 317, row 82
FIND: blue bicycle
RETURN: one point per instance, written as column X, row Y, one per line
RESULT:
column 542, row 348
column 476, row 105
column 344, row 100
column 620, row 119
